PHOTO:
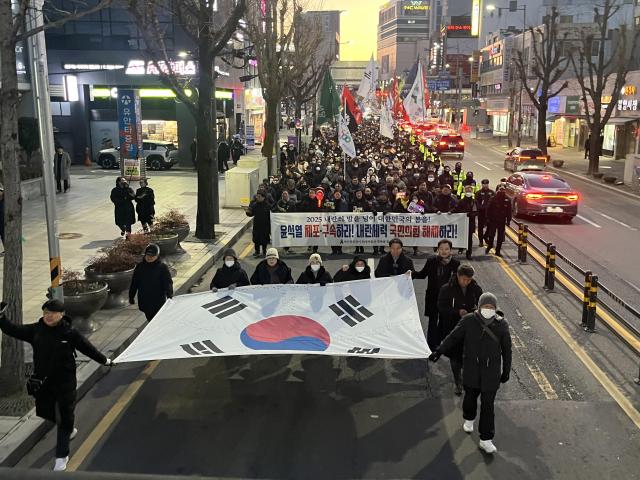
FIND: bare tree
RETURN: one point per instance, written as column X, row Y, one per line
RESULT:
column 543, row 69
column 271, row 27
column 12, row 31
column 309, row 66
column 209, row 30
column 601, row 63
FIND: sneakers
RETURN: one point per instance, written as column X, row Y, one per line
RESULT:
column 487, row 446
column 74, row 432
column 467, row 426
column 61, row 464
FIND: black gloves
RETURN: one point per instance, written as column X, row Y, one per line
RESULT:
column 504, row 378
column 434, row 356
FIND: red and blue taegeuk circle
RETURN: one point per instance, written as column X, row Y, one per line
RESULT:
column 286, row 332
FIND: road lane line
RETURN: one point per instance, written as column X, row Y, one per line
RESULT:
column 109, row 419
column 542, row 381
column 596, row 371
column 588, row 221
column 483, row 166
column 246, row 251
column 617, row 221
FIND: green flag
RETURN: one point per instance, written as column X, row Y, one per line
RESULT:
column 329, row 100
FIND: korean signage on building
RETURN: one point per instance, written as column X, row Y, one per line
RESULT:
column 130, row 133
column 415, row 5
column 572, row 106
column 628, row 104
column 459, row 27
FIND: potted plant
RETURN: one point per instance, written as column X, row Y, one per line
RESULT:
column 115, row 266
column 172, row 222
column 167, row 241
column 82, row 298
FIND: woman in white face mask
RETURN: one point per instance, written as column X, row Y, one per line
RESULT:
column 315, row 272
column 231, row 274
column 356, row 270
column 486, row 341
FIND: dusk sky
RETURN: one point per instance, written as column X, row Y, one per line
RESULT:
column 358, row 26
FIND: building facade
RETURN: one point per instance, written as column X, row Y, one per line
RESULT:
column 329, row 24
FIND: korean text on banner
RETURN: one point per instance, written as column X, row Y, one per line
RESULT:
column 359, row 318
column 359, row 229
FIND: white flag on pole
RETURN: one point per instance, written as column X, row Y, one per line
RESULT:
column 414, row 103
column 367, row 88
column 386, row 121
column 372, row 318
column 345, row 140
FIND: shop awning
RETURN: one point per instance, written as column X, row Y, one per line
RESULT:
column 553, row 118
column 622, row 120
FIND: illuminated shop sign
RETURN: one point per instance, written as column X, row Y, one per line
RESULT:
column 182, row 68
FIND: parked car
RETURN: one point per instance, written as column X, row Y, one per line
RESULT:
column 525, row 158
column 158, row 154
column 450, row 145
column 539, row 193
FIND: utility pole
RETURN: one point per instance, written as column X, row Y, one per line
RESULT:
column 40, row 89
column 524, row 26
column 459, row 96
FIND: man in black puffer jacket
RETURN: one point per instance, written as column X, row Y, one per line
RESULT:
column 395, row 262
column 457, row 298
column 231, row 274
column 484, row 335
column 272, row 270
column 54, row 343
column 152, row 282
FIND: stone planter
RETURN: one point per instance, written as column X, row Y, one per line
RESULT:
column 609, row 179
column 83, row 298
column 168, row 243
column 182, row 231
column 557, row 163
column 118, row 282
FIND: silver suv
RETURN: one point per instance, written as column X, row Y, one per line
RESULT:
column 158, row 154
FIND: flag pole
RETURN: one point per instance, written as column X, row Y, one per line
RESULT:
column 344, row 155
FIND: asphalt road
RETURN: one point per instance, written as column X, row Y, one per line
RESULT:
column 603, row 238
column 324, row 418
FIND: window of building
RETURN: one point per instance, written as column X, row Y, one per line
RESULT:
column 385, row 64
column 566, row 18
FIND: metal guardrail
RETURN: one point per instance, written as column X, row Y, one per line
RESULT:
column 590, row 288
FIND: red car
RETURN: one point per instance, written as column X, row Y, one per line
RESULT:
column 451, row 145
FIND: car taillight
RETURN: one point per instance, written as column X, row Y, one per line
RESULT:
column 442, row 144
column 461, row 143
column 524, row 158
column 573, row 197
column 534, row 196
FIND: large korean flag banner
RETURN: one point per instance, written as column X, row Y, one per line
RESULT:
column 362, row 229
column 372, row 318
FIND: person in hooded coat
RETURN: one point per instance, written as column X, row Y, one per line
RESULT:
column 486, row 345
column 271, row 270
column 122, row 197
column 54, row 343
column 457, row 298
column 145, row 204
column 260, row 210
column 152, row 282
column 230, row 274
column 357, row 270
column 315, row 272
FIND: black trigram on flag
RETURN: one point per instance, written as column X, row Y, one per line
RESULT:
column 350, row 311
column 205, row 347
column 223, row 307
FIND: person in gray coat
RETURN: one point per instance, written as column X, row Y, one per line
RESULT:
column 61, row 168
column 484, row 335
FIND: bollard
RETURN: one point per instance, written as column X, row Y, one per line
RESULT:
column 637, row 380
column 525, row 243
column 552, row 267
column 593, row 302
column 585, row 298
column 547, row 264
column 520, row 237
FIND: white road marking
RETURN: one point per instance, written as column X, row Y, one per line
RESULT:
column 617, row 221
column 483, row 166
column 588, row 221
column 602, row 166
column 632, row 285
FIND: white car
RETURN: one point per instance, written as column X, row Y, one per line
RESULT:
column 158, row 154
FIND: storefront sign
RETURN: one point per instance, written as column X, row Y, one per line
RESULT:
column 460, row 27
column 250, row 136
column 554, row 105
column 413, row 5
column 627, row 105
column 475, row 18
column 438, row 84
column 628, row 90
column 573, row 105
column 130, row 132
column 91, row 66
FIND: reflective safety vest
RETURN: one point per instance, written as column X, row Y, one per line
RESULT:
column 457, row 179
column 461, row 186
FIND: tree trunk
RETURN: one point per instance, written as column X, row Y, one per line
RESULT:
column 595, row 147
column 12, row 366
column 207, row 213
column 270, row 130
column 542, row 126
column 298, row 110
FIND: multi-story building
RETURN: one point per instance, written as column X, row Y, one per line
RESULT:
column 329, row 24
column 403, row 35
column 91, row 57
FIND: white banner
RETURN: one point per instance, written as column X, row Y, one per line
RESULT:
column 367, row 88
column 414, row 103
column 386, row 121
column 371, row 318
column 345, row 140
column 360, row 229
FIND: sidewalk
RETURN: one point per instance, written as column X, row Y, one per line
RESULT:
column 85, row 218
column 575, row 164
